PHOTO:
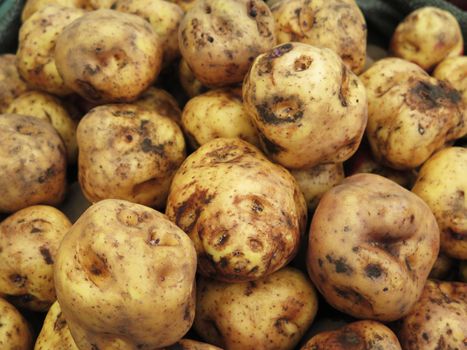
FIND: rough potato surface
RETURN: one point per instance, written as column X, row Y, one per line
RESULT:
column 11, row 83
column 14, row 333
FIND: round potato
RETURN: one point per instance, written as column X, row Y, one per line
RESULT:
column 307, row 105
column 109, row 296
column 372, row 245
column 454, row 71
column 14, row 332
column 162, row 102
column 11, row 83
column 360, row 335
column 437, row 321
column 338, row 25
column 108, row 56
column 244, row 214
column 36, row 58
column 128, row 152
column 48, row 108
column 55, row 333
column 219, row 39
column 32, row 163
column 32, row 6
column 187, row 344
column 410, row 115
column 442, row 185
column 427, row 36
column 215, row 114
column 192, row 86
column 271, row 313
column 29, row 241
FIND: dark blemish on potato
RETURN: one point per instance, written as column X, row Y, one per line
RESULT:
column 147, row 147
column 281, row 110
column 35, row 230
column 45, row 252
column 340, row 265
column 257, row 206
column 425, row 96
column 280, row 326
column 349, row 338
column 189, row 211
column 129, row 138
column 373, row 271
column 347, row 228
column 279, row 51
column 354, row 296
column 252, row 10
column 187, row 313
column 425, row 336
column 91, row 70
column 125, row 113
column 89, row 90
column 249, row 288
column 19, row 280
column 50, row 172
column 255, row 244
column 59, row 323
column 222, row 240
column 344, row 87
column 320, row 262
column 421, row 129
column 302, row 63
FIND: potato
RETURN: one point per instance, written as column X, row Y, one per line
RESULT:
column 307, row 105
column 338, row 25
column 140, row 293
column 186, row 344
column 271, row 313
column 454, row 71
column 360, row 335
column 219, row 39
column 427, row 36
column 29, row 241
column 162, row 102
column 372, row 245
column 11, row 83
column 184, row 4
column 192, row 86
column 410, row 115
column 55, row 333
column 32, row 6
column 442, row 185
column 48, row 108
column 14, row 333
column 217, row 113
column 442, row 268
column 36, row 59
column 32, row 163
column 437, row 321
column 127, row 152
column 100, row 4
column 244, row 214
column 165, row 19
column 108, row 56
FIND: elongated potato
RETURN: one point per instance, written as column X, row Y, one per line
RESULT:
column 162, row 102
column 11, row 83
column 14, row 333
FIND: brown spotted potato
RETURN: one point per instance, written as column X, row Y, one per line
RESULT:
column 11, row 83
column 15, row 333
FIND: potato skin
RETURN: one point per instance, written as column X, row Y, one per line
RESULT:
column 309, row 108
column 272, row 313
column 442, row 185
column 338, row 25
column 219, row 39
column 244, row 214
column 11, row 83
column 437, row 321
column 36, row 59
column 108, row 296
column 427, row 36
column 387, row 245
column 32, row 6
column 32, row 162
column 14, row 333
column 108, row 56
column 187, row 344
column 192, row 86
column 454, row 71
column 162, row 102
column 184, row 4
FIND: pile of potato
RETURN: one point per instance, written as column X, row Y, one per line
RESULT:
column 289, row 193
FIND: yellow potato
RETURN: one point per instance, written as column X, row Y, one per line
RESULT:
column 14, row 332
column 32, row 6
column 100, row 4
column 184, row 4
column 192, row 86
column 162, row 102
column 11, row 83
column 273, row 312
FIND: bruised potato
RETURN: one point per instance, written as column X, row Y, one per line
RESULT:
column 48, row 108
column 437, row 321
column 273, row 312
column 140, row 294
column 191, row 85
column 316, row 114
column 427, row 36
column 108, row 56
column 215, row 114
column 441, row 183
column 127, row 152
column 219, row 39
column 14, row 332
column 36, row 58
column 11, row 83
column 162, row 102
column 32, row 6
column 372, row 245
column 338, row 25
column 187, row 344
column 244, row 214
column 32, row 162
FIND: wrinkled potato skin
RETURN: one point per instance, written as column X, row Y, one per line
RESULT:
column 316, row 181
column 32, row 6
column 360, row 335
column 11, row 83
column 437, row 321
column 338, row 25
column 55, row 333
column 187, row 344
column 427, row 36
column 219, row 39
column 32, row 162
column 48, row 108
column 14, row 333
column 244, row 214
column 36, row 60
column 29, row 241
column 307, row 105
column 130, row 153
column 271, row 313
column 162, row 102
column 442, row 185
column 410, row 115
column 387, row 245
column 215, row 114
column 454, row 71
column 101, row 290
column 109, row 56
column 192, row 86
column 442, row 268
